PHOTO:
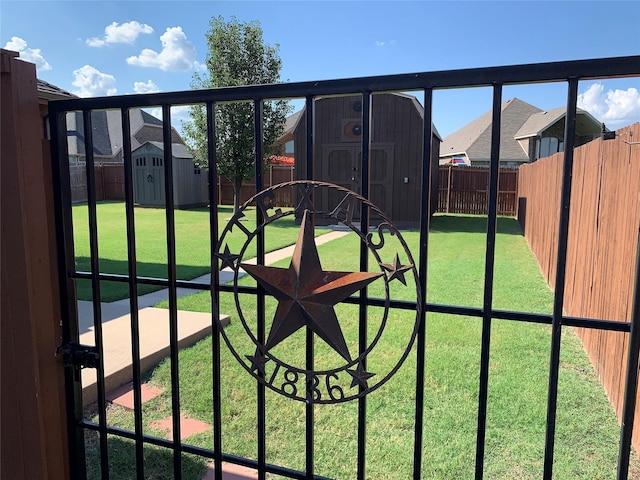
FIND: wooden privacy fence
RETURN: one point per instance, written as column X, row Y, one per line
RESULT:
column 603, row 238
column 109, row 182
column 273, row 175
column 460, row 189
column 466, row 190
column 78, row 175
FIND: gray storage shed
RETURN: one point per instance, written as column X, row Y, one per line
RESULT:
column 189, row 181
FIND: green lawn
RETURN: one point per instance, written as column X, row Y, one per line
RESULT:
column 192, row 244
column 587, row 431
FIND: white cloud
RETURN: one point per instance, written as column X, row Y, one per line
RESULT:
column 614, row 107
column 93, row 83
column 180, row 114
column 382, row 43
column 120, row 33
column 178, row 53
column 32, row 55
column 148, row 87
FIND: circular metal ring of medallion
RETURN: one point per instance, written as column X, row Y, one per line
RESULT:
column 363, row 340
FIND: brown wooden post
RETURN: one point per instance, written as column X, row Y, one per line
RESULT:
column 33, row 440
column 448, row 188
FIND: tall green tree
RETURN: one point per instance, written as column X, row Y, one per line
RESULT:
column 237, row 55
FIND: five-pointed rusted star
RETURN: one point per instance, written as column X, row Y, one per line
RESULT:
column 228, row 258
column 257, row 361
column 306, row 294
column 360, row 376
column 396, row 270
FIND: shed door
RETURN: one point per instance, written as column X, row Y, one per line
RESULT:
column 157, row 180
column 341, row 165
column 381, row 177
column 149, row 180
column 141, row 190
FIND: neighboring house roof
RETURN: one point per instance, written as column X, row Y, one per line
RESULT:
column 519, row 121
column 102, row 144
column 51, row 92
column 178, row 150
column 539, row 122
column 107, row 131
column 474, row 139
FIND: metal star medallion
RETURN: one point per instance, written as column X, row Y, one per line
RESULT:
column 306, row 294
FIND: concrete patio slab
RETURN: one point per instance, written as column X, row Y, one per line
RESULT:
column 109, row 311
column 154, row 345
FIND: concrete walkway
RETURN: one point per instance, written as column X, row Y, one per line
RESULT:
column 153, row 327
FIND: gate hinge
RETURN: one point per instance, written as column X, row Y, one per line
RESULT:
column 76, row 355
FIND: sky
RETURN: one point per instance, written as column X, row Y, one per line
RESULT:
column 98, row 48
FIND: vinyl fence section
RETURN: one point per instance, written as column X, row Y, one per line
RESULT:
column 466, row 190
column 603, row 238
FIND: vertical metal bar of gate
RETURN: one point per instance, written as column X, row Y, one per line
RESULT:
column 260, row 295
column 215, row 291
column 487, row 305
column 68, row 305
column 558, row 301
column 133, row 291
column 364, row 252
column 172, row 294
column 423, row 256
column 95, row 290
column 309, row 408
column 631, row 381
column 310, row 113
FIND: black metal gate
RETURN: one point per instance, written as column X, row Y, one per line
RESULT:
column 77, row 356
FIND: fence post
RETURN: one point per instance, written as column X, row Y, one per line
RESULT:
column 631, row 381
column 33, row 415
column 448, row 188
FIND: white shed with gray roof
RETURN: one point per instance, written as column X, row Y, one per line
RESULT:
column 189, row 181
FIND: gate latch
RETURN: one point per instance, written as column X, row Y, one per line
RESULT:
column 77, row 355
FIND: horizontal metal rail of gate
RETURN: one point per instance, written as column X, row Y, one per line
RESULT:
column 569, row 73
